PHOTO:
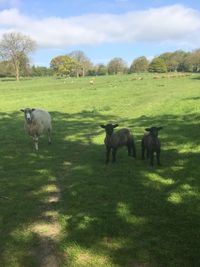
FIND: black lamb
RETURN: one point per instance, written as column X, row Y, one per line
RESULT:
column 151, row 144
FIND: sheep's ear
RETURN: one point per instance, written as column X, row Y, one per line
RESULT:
column 115, row 125
column 33, row 109
column 159, row 128
column 22, row 110
column 147, row 129
column 102, row 126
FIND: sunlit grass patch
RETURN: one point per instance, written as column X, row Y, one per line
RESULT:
column 81, row 257
column 158, row 179
column 124, row 212
column 175, row 198
column 184, row 192
column 85, row 222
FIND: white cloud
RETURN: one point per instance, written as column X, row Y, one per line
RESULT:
column 174, row 23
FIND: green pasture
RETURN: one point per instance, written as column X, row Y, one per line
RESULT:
column 116, row 215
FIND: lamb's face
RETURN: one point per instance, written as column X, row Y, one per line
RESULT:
column 28, row 114
column 153, row 131
column 109, row 128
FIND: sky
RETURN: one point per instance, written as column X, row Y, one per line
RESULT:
column 103, row 29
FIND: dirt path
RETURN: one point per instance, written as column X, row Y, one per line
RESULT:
column 48, row 229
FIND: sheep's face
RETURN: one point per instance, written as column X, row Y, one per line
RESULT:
column 109, row 128
column 28, row 114
column 153, row 131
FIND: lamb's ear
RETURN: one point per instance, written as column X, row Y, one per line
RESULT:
column 102, row 126
column 115, row 125
column 159, row 128
column 33, row 109
column 147, row 129
column 22, row 110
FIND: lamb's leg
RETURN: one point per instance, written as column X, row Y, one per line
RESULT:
column 134, row 149
column 148, row 153
column 107, row 153
column 151, row 157
column 129, row 149
column 114, row 150
column 158, row 157
column 143, row 153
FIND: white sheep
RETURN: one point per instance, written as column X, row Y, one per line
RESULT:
column 37, row 122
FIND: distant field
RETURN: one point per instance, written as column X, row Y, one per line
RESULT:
column 64, row 200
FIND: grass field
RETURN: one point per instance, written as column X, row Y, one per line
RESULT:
column 64, row 200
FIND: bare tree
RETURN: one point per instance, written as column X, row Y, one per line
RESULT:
column 14, row 46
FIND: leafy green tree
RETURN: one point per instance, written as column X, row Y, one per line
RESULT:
column 92, row 72
column 157, row 65
column 181, row 56
column 63, row 65
column 101, row 69
column 174, row 60
column 116, row 65
column 24, row 65
column 41, row 71
column 140, row 64
column 193, row 61
column 6, row 69
column 14, row 47
column 84, row 62
column 168, row 59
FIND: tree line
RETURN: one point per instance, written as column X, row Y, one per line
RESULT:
column 16, row 47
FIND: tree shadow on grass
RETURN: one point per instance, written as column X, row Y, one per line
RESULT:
column 13, row 79
column 124, row 213
column 192, row 98
column 195, row 78
column 138, row 214
column 28, row 178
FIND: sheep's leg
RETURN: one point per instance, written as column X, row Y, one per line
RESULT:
column 114, row 154
column 107, row 153
column 35, row 139
column 129, row 149
column 158, row 157
column 134, row 150
column 49, row 136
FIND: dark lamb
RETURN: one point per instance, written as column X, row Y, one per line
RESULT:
column 151, row 144
column 114, row 140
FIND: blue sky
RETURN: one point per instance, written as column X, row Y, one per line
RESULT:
column 103, row 29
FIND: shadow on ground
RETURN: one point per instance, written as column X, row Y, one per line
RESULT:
column 125, row 212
